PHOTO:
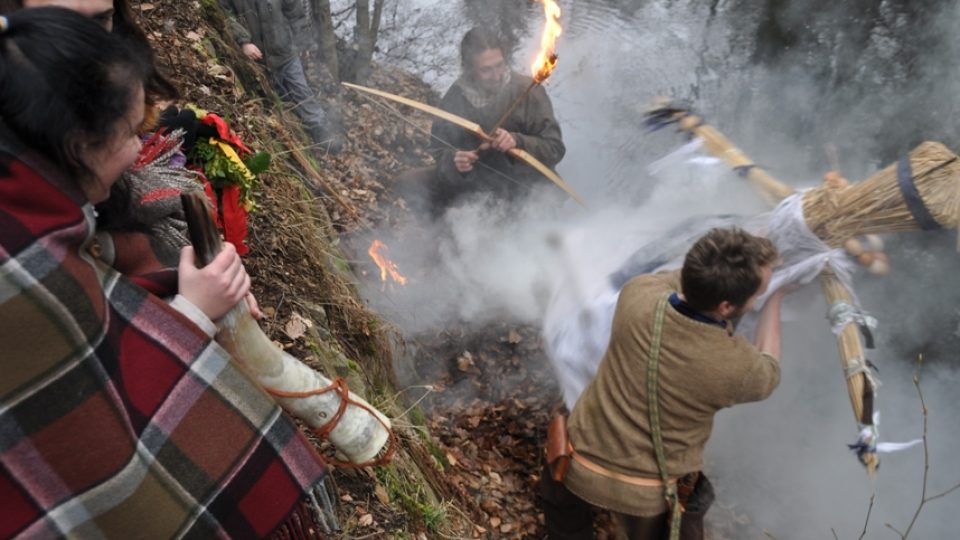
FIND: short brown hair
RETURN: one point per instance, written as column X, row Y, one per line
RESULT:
column 725, row 265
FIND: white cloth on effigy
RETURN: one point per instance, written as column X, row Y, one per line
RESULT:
column 578, row 320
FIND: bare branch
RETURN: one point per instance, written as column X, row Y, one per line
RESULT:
column 924, row 499
column 375, row 22
column 926, row 449
column 345, row 11
column 866, row 521
column 894, row 529
column 944, row 494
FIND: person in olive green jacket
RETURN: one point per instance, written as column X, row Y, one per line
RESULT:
column 483, row 93
column 264, row 30
column 702, row 368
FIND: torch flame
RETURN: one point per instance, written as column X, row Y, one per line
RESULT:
column 547, row 57
column 386, row 265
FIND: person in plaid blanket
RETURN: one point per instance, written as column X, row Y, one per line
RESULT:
column 119, row 415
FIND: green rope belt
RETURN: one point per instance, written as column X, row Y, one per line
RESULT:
column 669, row 489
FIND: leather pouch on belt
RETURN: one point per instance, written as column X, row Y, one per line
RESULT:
column 558, row 447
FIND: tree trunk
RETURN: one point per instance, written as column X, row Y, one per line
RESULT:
column 323, row 18
column 368, row 25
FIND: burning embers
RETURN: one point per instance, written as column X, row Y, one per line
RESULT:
column 546, row 59
column 387, row 267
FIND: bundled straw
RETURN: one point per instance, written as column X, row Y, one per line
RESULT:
column 879, row 205
column 861, row 387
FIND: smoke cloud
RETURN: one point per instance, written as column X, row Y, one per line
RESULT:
column 783, row 83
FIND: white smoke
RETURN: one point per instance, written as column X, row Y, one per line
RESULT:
column 783, row 463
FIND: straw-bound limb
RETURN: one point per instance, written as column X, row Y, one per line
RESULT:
column 861, row 386
column 667, row 113
column 920, row 192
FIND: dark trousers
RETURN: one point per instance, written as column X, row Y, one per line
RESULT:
column 428, row 194
column 291, row 83
column 569, row 517
column 422, row 190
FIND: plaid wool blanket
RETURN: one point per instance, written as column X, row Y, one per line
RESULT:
column 120, row 418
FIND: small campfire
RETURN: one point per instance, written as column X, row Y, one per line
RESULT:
column 377, row 252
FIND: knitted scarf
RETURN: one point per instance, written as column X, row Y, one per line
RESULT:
column 478, row 97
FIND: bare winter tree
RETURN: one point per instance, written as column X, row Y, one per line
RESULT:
column 323, row 18
column 365, row 35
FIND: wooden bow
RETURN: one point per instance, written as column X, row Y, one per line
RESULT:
column 474, row 128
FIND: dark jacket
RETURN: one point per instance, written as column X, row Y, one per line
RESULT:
column 532, row 124
column 268, row 24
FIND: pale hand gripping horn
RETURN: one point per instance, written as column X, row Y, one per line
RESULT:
column 355, row 428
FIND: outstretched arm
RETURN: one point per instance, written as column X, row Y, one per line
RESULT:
column 767, row 339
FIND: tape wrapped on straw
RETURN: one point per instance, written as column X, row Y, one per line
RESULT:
column 920, row 192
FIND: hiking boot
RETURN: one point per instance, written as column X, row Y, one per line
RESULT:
column 327, row 140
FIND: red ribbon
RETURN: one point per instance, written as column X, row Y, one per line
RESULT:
column 234, row 218
column 223, row 131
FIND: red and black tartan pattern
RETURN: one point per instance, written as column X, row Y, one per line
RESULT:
column 118, row 416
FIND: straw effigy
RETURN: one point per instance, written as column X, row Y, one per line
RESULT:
column 920, row 192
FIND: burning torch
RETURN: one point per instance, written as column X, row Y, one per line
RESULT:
column 546, row 59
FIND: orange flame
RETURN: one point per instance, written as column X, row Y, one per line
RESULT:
column 547, row 57
column 386, row 265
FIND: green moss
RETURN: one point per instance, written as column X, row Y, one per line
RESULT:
column 433, row 517
column 338, row 262
column 213, row 13
column 438, row 454
column 315, row 348
column 416, row 417
column 411, row 497
column 210, row 5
